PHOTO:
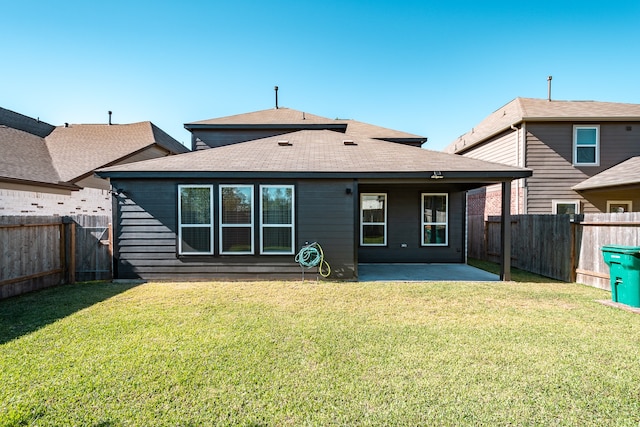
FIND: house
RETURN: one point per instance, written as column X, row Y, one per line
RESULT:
column 48, row 170
column 260, row 186
column 581, row 154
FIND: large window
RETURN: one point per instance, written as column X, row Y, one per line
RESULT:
column 586, row 145
column 236, row 219
column 276, row 219
column 195, row 219
column 373, row 219
column 435, row 219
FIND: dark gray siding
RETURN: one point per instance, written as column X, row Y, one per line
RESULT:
column 326, row 214
column 405, row 227
column 550, row 155
column 204, row 139
column 146, row 233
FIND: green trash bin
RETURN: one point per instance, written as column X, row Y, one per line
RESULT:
column 624, row 272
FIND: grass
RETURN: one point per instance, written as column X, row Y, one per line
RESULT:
column 291, row 353
column 517, row 275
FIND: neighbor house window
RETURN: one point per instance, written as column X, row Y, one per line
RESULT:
column 586, row 145
column 435, row 219
column 195, row 219
column 276, row 219
column 236, row 219
column 566, row 207
column 619, row 206
column 373, row 219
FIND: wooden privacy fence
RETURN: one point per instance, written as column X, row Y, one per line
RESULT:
column 557, row 246
column 40, row 251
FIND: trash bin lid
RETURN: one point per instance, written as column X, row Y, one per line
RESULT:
column 621, row 249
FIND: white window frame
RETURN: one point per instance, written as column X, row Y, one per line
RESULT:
column 619, row 202
column 383, row 223
column 181, row 225
column 424, row 223
column 223, row 226
column 576, row 146
column 555, row 203
column 291, row 226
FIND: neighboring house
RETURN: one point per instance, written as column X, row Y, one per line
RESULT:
column 581, row 154
column 244, row 209
column 48, row 170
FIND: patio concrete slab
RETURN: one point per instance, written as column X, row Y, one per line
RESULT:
column 423, row 273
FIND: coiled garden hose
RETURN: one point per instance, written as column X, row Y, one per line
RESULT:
column 311, row 256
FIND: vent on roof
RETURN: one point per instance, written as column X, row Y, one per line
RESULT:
column 349, row 142
column 284, row 143
column 276, row 89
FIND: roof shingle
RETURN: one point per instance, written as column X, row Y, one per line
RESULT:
column 290, row 117
column 315, row 151
column 79, row 149
column 625, row 173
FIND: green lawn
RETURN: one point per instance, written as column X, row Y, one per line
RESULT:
column 291, row 353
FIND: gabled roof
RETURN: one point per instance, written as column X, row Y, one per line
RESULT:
column 25, row 159
column 283, row 118
column 37, row 153
column 79, row 149
column 625, row 173
column 314, row 153
column 531, row 109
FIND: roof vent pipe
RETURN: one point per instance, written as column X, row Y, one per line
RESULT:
column 549, row 88
column 110, row 117
column 276, row 89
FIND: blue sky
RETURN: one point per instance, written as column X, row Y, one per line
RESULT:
column 433, row 68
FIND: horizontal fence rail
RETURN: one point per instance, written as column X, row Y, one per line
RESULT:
column 561, row 247
column 40, row 251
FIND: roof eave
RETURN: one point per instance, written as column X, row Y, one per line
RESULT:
column 62, row 185
column 605, row 187
column 583, row 119
column 490, row 136
column 429, row 176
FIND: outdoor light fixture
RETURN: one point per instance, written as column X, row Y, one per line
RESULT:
column 117, row 192
column 437, row 175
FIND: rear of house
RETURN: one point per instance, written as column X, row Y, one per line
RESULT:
column 244, row 209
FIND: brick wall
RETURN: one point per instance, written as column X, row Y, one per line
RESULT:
column 88, row 201
column 487, row 201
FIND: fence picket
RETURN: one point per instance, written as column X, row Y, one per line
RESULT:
column 556, row 246
column 35, row 253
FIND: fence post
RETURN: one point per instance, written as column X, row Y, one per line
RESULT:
column 573, row 274
column 63, row 251
column 110, row 236
column 70, row 249
column 505, row 233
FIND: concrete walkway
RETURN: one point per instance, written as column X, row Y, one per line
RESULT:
column 423, row 273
